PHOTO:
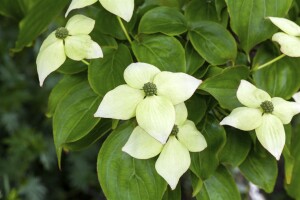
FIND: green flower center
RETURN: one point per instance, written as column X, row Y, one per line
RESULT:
column 150, row 89
column 175, row 130
column 267, row 106
column 61, row 33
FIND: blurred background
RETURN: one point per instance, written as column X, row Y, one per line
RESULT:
column 28, row 164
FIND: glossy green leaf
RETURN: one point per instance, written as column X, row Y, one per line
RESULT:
column 37, row 20
column 72, row 67
column 173, row 194
column 289, row 160
column 17, row 9
column 103, row 40
column 62, row 89
column 193, row 60
column 219, row 186
column 238, row 145
column 220, row 5
column 107, row 23
column 171, row 3
column 163, row 20
column 197, row 11
column 74, row 116
column 107, row 73
column 223, row 86
column 280, row 79
column 293, row 187
column 102, row 128
column 260, row 170
column 123, row 177
column 196, row 106
column 162, row 51
column 213, row 42
column 206, row 162
column 248, row 19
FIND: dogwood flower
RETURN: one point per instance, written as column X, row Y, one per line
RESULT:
column 264, row 114
column 150, row 95
column 72, row 41
column 174, row 159
column 289, row 39
column 121, row 8
column 296, row 97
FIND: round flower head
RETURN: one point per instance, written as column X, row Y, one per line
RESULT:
column 121, row 8
column 71, row 41
column 150, row 95
column 263, row 114
column 288, row 39
column 174, row 159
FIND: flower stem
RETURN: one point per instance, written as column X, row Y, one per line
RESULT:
column 85, row 62
column 268, row 63
column 124, row 29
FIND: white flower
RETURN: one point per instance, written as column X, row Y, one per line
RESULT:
column 264, row 114
column 150, row 95
column 296, row 97
column 174, row 159
column 288, row 39
column 72, row 41
column 121, row 8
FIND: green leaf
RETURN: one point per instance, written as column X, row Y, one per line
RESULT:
column 61, row 90
column 206, row 162
column 260, row 170
column 273, row 78
column 196, row 103
column 104, row 40
column 293, row 187
column 193, row 60
column 123, row 177
column 164, row 20
column 238, row 145
column 37, row 20
column 223, row 86
column 198, row 11
column 248, row 19
column 164, row 52
column 219, row 186
column 102, row 128
column 107, row 23
column 107, row 73
column 17, row 9
column 220, row 5
column 289, row 160
column 213, row 42
column 72, row 67
column 172, row 194
column 74, row 116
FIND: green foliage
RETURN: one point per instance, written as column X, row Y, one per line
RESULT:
column 137, row 179
column 162, row 51
column 220, row 42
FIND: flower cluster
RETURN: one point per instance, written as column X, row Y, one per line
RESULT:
column 263, row 114
column 156, row 99
column 73, row 40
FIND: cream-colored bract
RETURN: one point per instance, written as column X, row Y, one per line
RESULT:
column 155, row 114
column 77, row 45
column 121, row 8
column 174, row 159
column 296, row 97
column 268, row 126
column 289, row 39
